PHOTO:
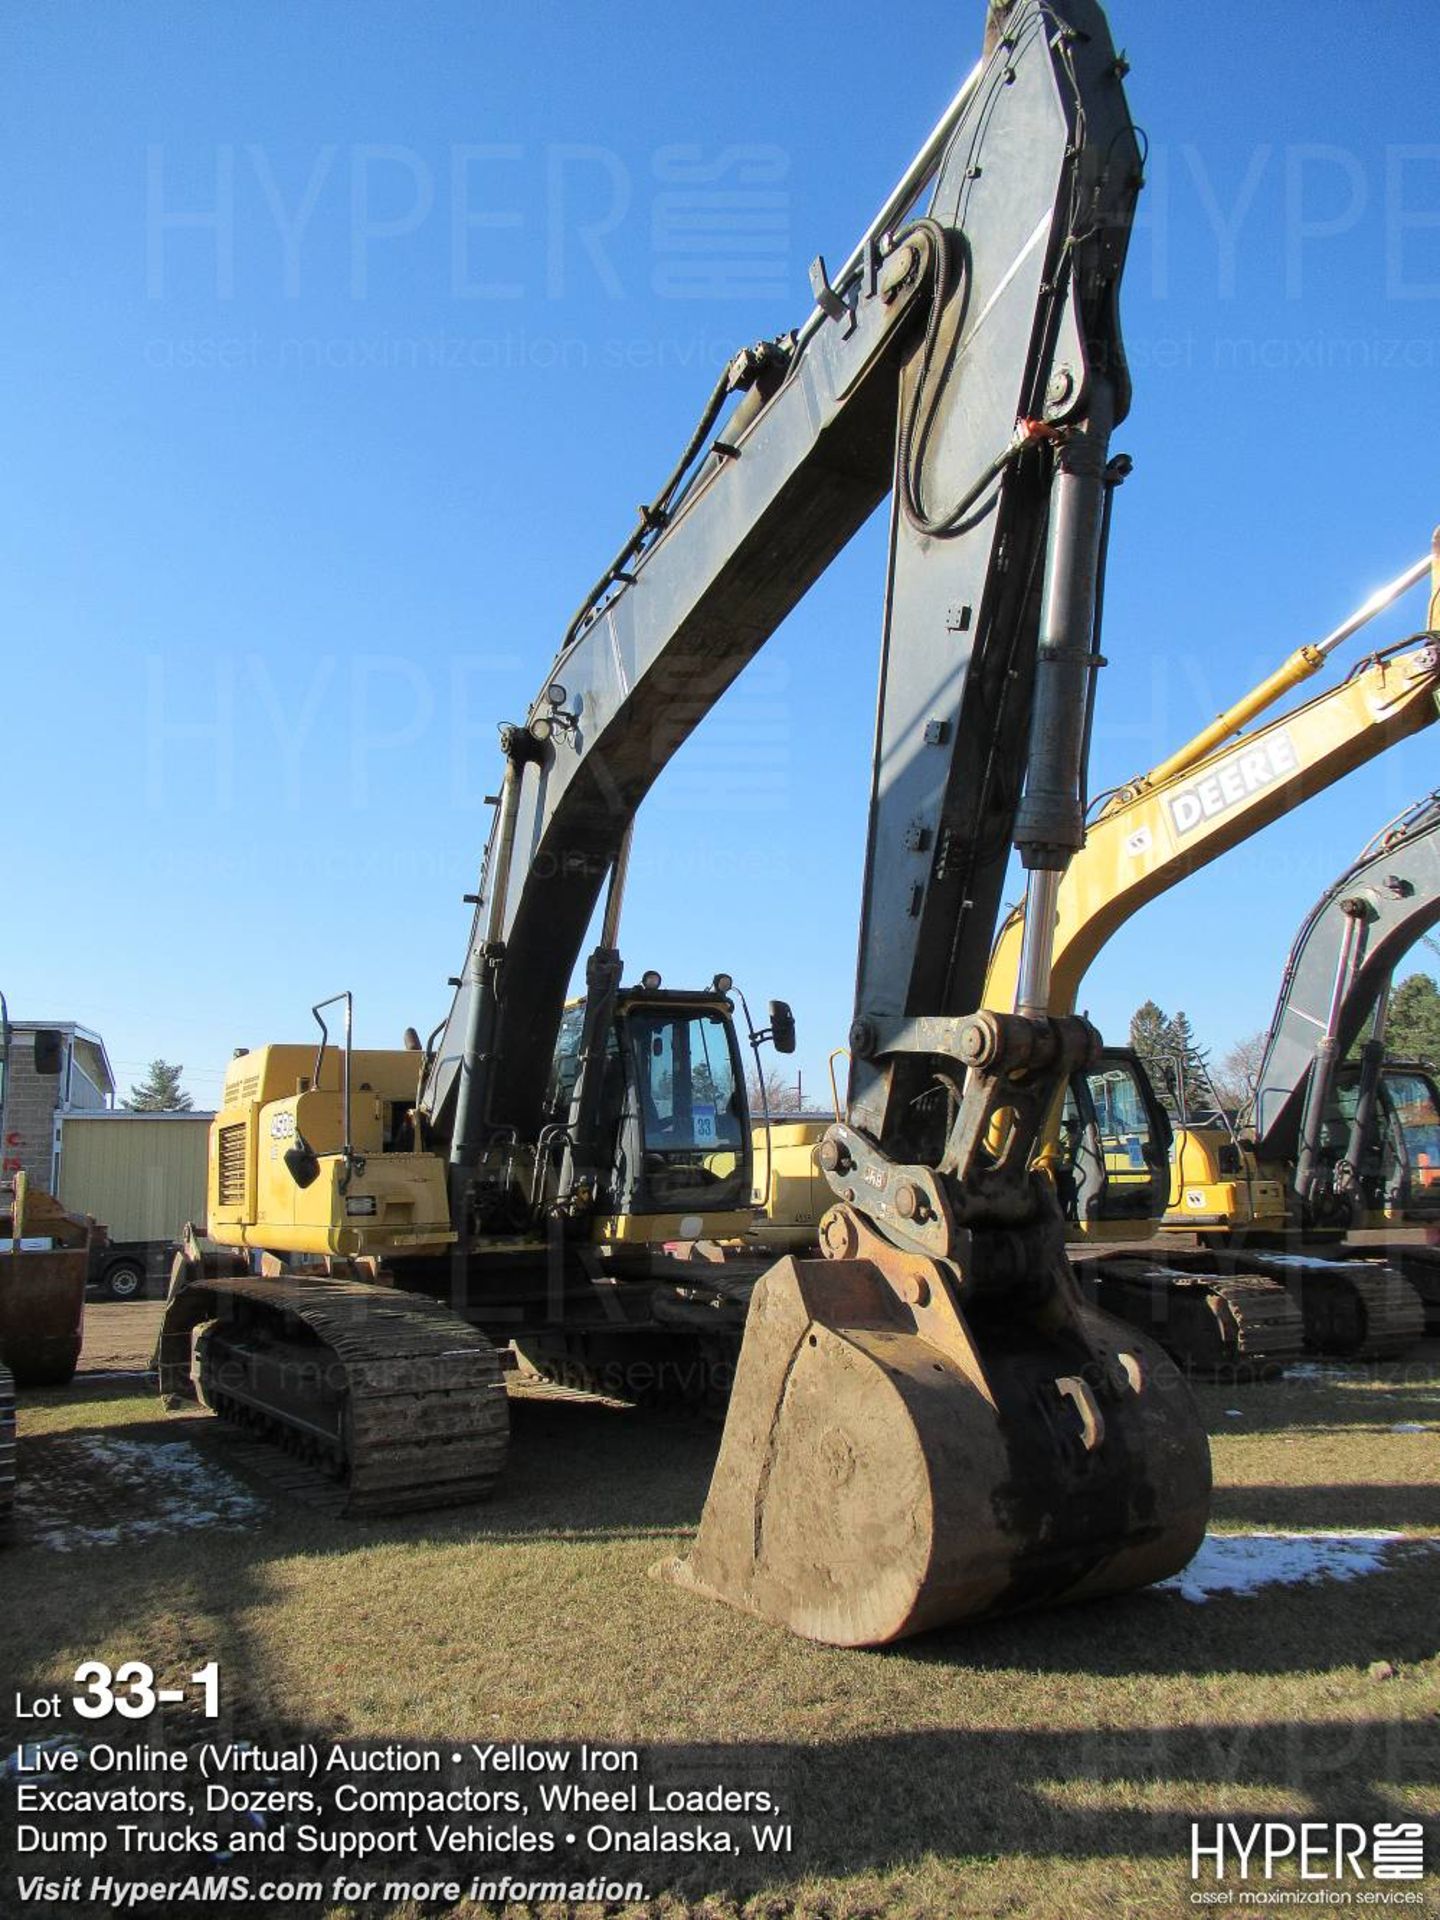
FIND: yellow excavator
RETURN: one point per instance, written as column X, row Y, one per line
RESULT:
column 930, row 1422
column 1124, row 1171
column 44, row 1258
column 1217, row 1304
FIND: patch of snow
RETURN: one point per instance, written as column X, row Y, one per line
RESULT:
column 163, row 1487
column 1244, row 1562
column 1410, row 1426
column 1233, row 1413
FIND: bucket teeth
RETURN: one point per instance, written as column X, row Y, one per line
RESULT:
column 884, row 1471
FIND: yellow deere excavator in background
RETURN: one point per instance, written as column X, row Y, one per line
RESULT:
column 930, row 1423
column 1219, row 1305
column 1210, row 795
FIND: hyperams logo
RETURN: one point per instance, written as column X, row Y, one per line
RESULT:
column 1318, row 1850
column 1232, row 781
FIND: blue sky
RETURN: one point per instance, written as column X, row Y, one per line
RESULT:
column 298, row 502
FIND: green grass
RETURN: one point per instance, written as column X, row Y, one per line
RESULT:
column 1047, row 1764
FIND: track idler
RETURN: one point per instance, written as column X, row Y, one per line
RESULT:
column 891, row 1463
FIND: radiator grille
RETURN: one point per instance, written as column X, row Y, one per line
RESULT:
column 232, row 1165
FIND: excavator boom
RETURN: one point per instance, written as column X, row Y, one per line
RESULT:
column 929, row 1423
column 1342, row 961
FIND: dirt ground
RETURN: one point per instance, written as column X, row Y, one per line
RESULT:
column 120, row 1335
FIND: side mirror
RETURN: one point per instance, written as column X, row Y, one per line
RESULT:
column 49, row 1051
column 302, row 1163
column 782, row 1026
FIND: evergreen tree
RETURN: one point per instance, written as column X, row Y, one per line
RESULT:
column 160, row 1091
column 1413, row 1028
column 1152, row 1036
column 1193, row 1066
column 1174, row 1060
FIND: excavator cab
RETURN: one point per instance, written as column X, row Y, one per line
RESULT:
column 1112, row 1164
column 1400, row 1175
column 672, row 1133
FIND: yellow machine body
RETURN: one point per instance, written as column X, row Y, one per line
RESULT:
column 658, row 1229
column 791, row 1191
column 381, row 1201
column 1208, row 1190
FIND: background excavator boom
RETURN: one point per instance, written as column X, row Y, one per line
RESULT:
column 1199, row 804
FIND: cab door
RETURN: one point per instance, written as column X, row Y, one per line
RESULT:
column 1115, row 1144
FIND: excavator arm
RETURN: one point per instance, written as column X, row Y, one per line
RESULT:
column 929, row 1424
column 1004, row 292
column 1172, row 822
column 1339, row 969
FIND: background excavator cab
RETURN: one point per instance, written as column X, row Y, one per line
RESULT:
column 1400, row 1173
column 1115, row 1137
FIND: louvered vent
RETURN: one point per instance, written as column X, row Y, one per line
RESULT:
column 232, row 1165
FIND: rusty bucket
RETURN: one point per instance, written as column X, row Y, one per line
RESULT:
column 891, row 1464
column 42, row 1312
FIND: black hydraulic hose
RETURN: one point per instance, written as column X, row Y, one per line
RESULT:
column 1425, row 638
column 655, row 517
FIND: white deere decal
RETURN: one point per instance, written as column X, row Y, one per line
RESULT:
column 1235, row 779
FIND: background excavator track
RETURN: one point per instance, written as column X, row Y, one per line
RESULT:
column 1344, row 1309
column 1242, row 1327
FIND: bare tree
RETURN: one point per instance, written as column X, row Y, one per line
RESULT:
column 1238, row 1075
column 780, row 1094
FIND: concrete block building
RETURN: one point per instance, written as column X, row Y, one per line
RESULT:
column 36, row 1104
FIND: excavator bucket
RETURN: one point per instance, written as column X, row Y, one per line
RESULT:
column 42, row 1288
column 42, row 1309
column 890, row 1464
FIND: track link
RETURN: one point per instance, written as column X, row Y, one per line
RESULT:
column 1241, row 1327
column 1352, row 1309
column 392, row 1393
column 1420, row 1266
column 1360, row 1310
